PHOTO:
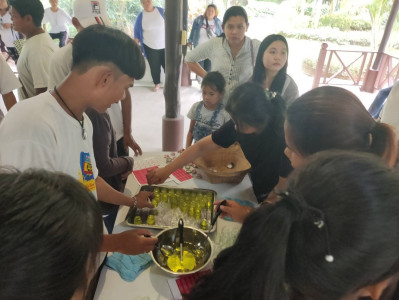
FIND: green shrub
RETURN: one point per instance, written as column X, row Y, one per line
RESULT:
column 274, row 1
column 344, row 22
column 329, row 36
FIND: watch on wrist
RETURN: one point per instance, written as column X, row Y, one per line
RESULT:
column 134, row 202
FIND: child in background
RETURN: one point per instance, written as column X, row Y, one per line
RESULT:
column 207, row 115
column 331, row 238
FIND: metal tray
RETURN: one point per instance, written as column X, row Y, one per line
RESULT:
column 178, row 203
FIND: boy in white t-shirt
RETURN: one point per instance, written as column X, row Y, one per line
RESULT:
column 53, row 132
column 61, row 63
column 33, row 62
column 8, row 83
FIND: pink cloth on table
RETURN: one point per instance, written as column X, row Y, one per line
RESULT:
column 182, row 175
column 141, row 174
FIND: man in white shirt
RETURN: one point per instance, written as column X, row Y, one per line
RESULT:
column 61, row 63
column 8, row 83
column 33, row 62
column 53, row 132
column 58, row 19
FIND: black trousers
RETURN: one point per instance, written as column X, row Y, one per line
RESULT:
column 156, row 59
column 62, row 36
column 12, row 51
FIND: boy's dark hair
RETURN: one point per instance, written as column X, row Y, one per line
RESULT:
column 33, row 8
column 355, row 195
column 214, row 79
column 98, row 44
column 259, row 75
column 50, row 235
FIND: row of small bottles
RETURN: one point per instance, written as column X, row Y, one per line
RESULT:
column 195, row 204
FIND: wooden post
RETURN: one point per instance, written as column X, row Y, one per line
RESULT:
column 320, row 65
column 173, row 122
column 371, row 75
column 185, row 73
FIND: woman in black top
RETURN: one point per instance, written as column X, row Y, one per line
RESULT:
column 257, row 124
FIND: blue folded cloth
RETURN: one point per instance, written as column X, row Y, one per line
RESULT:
column 128, row 266
column 242, row 202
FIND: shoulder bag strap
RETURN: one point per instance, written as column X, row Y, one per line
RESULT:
column 252, row 55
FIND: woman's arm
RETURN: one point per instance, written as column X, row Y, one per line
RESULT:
column 9, row 100
column 189, row 139
column 197, row 69
column 102, row 130
column 128, row 140
column 201, row 52
column 199, row 149
column 131, row 242
column 273, row 195
column 290, row 93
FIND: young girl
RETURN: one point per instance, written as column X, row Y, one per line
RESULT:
column 328, row 118
column 207, row 115
column 331, row 238
column 271, row 68
column 257, row 124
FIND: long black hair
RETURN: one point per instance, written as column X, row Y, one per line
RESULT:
column 250, row 104
column 50, row 235
column 259, row 74
column 342, row 204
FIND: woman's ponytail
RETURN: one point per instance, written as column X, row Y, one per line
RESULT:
column 384, row 142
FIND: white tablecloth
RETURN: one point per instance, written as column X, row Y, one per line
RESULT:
column 152, row 283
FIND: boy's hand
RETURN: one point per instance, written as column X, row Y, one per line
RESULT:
column 133, row 242
column 143, row 199
column 129, row 142
column 234, row 210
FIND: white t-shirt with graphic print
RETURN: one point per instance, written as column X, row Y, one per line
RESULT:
column 40, row 134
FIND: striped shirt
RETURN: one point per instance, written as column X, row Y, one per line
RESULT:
column 235, row 71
